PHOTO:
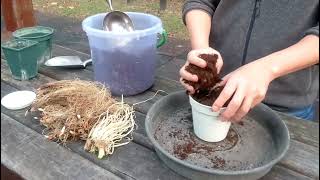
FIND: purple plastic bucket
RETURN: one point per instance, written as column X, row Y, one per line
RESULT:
column 124, row 62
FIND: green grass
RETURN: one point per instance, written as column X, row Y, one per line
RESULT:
column 79, row 9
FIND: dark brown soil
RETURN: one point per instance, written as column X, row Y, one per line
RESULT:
column 205, row 91
column 195, row 145
column 208, row 76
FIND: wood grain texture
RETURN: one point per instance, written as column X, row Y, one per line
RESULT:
column 31, row 84
column 302, row 158
column 170, row 70
column 301, row 130
column 33, row 157
column 282, row 173
column 123, row 162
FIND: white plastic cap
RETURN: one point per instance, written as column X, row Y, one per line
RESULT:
column 18, row 100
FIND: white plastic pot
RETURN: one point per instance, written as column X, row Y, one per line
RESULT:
column 207, row 124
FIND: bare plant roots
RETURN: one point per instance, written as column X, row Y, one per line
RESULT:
column 71, row 109
column 110, row 130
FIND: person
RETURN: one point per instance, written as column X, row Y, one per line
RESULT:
column 268, row 52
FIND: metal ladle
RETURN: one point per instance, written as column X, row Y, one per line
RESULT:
column 117, row 21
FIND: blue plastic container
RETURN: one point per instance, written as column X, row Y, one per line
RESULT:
column 125, row 62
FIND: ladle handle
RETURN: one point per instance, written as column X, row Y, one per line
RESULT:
column 110, row 4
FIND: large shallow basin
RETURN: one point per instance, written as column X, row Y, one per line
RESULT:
column 249, row 152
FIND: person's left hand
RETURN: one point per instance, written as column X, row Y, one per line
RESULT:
column 248, row 85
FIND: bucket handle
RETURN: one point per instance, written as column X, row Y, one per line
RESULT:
column 163, row 38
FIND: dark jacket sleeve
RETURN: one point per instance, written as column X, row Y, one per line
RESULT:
column 314, row 30
column 209, row 6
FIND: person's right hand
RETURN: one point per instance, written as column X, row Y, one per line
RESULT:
column 193, row 58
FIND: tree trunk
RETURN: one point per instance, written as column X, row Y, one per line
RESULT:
column 17, row 14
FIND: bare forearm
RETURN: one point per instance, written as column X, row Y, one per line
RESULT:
column 303, row 54
column 199, row 25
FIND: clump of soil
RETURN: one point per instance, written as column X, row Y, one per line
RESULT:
column 208, row 76
column 206, row 89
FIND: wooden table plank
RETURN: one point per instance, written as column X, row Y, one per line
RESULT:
column 302, row 158
column 28, row 85
column 281, row 173
column 33, row 157
column 301, row 130
column 170, row 70
column 122, row 163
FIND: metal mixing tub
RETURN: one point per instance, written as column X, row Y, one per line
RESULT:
column 249, row 152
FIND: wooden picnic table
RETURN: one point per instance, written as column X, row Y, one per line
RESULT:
column 28, row 153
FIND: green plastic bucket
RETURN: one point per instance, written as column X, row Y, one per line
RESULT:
column 22, row 57
column 41, row 34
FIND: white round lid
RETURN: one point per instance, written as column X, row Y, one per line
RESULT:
column 18, row 100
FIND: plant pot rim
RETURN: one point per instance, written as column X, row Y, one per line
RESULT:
column 202, row 105
column 23, row 31
column 6, row 45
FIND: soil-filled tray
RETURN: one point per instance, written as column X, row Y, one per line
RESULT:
column 249, row 151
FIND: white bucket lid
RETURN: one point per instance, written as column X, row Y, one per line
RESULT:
column 18, row 100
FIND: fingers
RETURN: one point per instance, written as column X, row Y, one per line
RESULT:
column 213, row 51
column 189, row 88
column 256, row 102
column 248, row 103
column 244, row 109
column 235, row 103
column 251, row 99
column 194, row 59
column 187, row 76
column 219, row 63
column 225, row 95
column 224, row 81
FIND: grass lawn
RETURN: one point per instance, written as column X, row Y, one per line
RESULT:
column 80, row 9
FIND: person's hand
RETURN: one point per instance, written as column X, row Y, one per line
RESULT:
column 247, row 86
column 193, row 58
